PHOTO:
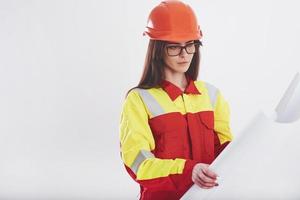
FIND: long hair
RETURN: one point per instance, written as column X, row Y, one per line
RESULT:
column 153, row 72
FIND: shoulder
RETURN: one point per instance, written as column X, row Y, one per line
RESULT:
column 140, row 93
column 136, row 96
column 204, row 86
column 133, row 104
column 133, row 97
column 210, row 90
column 132, row 94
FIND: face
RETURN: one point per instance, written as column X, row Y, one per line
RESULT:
column 178, row 56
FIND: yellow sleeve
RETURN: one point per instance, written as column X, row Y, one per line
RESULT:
column 222, row 119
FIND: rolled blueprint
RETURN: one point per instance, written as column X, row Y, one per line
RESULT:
column 264, row 161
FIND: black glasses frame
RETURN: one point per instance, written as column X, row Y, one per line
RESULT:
column 196, row 43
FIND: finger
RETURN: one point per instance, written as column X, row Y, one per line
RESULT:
column 205, row 183
column 209, row 173
column 201, row 185
column 197, row 170
column 205, row 178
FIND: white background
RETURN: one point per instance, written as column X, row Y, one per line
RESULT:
column 65, row 67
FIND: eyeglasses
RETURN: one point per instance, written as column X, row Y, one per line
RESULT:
column 190, row 48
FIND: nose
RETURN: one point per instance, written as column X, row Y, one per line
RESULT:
column 183, row 52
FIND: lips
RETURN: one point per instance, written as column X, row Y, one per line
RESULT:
column 182, row 63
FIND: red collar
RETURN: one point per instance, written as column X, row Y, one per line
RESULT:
column 173, row 91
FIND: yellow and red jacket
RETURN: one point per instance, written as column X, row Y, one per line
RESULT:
column 164, row 132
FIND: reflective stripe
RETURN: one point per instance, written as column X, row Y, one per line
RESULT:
column 143, row 155
column 151, row 103
column 212, row 93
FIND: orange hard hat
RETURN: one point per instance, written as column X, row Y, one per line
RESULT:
column 174, row 21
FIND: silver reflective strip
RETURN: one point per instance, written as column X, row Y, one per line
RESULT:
column 212, row 93
column 151, row 103
column 143, row 155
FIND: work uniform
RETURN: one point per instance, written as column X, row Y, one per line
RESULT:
column 164, row 132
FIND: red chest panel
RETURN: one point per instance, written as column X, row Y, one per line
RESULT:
column 189, row 136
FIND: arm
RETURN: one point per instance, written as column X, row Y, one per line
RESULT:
column 223, row 134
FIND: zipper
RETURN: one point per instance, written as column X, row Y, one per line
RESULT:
column 183, row 104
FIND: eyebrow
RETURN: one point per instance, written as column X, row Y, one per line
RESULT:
column 176, row 43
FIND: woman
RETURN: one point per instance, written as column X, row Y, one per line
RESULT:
column 172, row 126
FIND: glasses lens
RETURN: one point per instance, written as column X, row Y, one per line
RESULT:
column 190, row 48
column 173, row 50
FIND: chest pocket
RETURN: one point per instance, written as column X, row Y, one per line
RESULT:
column 206, row 136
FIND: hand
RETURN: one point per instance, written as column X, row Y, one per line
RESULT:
column 204, row 177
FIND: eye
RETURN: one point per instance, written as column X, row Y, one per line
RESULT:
column 174, row 47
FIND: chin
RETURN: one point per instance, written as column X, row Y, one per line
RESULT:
column 179, row 69
column 182, row 69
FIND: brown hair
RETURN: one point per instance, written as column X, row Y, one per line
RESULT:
column 153, row 72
